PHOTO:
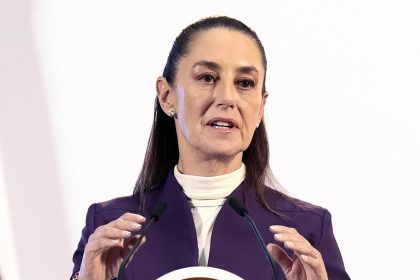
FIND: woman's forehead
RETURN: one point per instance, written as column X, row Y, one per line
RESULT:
column 225, row 47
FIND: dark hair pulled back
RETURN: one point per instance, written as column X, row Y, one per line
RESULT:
column 162, row 150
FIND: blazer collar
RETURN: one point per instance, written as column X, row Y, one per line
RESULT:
column 172, row 242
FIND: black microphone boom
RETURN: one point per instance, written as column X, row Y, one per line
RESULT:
column 158, row 210
column 237, row 206
column 156, row 213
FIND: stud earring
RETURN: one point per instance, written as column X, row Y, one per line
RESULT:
column 171, row 112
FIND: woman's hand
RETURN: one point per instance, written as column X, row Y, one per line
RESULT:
column 307, row 263
column 106, row 247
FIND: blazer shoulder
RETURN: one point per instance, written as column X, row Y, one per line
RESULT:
column 104, row 212
column 128, row 203
column 288, row 204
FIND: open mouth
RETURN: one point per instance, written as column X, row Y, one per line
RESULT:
column 223, row 123
column 219, row 124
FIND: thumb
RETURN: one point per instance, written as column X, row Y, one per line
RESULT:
column 280, row 257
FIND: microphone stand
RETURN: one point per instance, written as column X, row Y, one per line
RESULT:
column 157, row 212
column 236, row 205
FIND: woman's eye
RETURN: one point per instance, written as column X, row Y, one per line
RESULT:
column 246, row 84
column 207, row 78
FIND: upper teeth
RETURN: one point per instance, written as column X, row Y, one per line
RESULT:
column 222, row 124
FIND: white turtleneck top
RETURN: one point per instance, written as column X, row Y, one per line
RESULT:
column 207, row 195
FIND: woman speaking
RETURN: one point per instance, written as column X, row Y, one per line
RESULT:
column 208, row 143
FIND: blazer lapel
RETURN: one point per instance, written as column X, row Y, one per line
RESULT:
column 171, row 242
column 234, row 246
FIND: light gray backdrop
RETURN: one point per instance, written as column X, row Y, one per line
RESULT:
column 76, row 99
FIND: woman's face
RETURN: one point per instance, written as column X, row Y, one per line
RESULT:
column 217, row 94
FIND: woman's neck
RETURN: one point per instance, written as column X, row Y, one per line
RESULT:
column 209, row 167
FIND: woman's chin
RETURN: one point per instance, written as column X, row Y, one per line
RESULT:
column 222, row 152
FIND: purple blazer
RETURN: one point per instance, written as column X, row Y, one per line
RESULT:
column 172, row 242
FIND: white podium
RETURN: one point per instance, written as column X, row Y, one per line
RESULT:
column 200, row 273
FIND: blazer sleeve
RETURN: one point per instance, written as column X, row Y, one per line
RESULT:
column 331, row 255
column 86, row 232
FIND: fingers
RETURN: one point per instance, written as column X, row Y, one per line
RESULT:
column 113, row 233
column 100, row 243
column 133, row 217
column 128, row 221
column 298, row 244
column 310, row 258
column 280, row 257
column 312, row 261
column 130, row 244
column 123, row 224
column 279, row 229
column 294, row 241
column 120, row 228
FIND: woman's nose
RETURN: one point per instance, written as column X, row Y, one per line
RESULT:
column 225, row 94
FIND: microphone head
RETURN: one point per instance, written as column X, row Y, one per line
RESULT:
column 237, row 206
column 159, row 210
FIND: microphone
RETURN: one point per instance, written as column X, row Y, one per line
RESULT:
column 237, row 206
column 156, row 213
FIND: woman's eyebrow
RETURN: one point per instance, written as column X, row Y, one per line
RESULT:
column 209, row 64
column 247, row 69
column 215, row 66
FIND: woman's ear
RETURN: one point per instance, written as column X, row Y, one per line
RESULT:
column 261, row 111
column 166, row 96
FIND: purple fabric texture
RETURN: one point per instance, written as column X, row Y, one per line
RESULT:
column 172, row 243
